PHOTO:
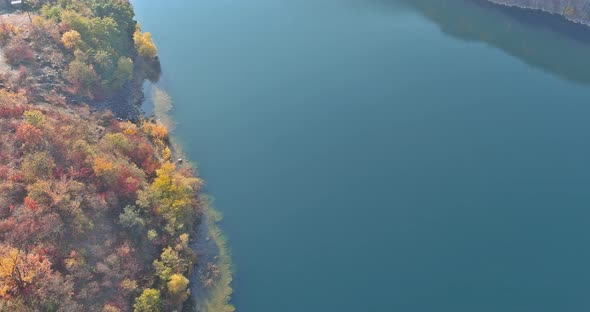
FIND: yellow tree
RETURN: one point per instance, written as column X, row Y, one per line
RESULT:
column 71, row 39
column 148, row 301
column 177, row 287
column 174, row 196
column 34, row 117
column 144, row 44
column 9, row 99
column 170, row 263
column 102, row 166
column 18, row 270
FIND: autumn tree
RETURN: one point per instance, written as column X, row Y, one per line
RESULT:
column 71, row 39
column 38, row 165
column 103, row 167
column 118, row 142
column 12, row 99
column 28, row 136
column 19, row 270
column 177, row 287
column 82, row 74
column 144, row 44
column 34, row 117
column 148, row 301
column 173, row 195
column 170, row 263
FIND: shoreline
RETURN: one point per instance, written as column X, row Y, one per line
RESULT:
column 62, row 79
column 542, row 19
column 212, row 274
column 538, row 10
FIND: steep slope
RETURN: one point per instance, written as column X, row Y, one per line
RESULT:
column 94, row 215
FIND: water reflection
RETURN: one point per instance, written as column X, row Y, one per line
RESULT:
column 545, row 41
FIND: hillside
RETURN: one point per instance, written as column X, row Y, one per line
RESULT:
column 574, row 10
column 513, row 32
column 94, row 215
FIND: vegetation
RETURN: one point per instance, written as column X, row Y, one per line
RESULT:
column 144, row 44
column 79, row 193
column 575, row 10
column 149, row 301
column 219, row 275
column 83, row 48
column 94, row 215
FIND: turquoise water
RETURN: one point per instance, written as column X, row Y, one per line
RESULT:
column 374, row 155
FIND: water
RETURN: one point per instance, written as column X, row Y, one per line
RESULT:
column 374, row 155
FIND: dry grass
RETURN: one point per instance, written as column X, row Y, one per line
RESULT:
column 20, row 20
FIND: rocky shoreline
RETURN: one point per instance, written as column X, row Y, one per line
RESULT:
column 212, row 275
column 127, row 103
column 576, row 11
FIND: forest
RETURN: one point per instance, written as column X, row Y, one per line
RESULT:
column 94, row 213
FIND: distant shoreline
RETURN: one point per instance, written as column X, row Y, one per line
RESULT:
column 538, row 10
column 539, row 17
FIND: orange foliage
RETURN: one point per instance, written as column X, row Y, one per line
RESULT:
column 19, row 270
column 130, row 131
column 159, row 132
column 102, row 166
column 31, row 203
column 156, row 131
column 28, row 134
column 144, row 44
column 11, row 98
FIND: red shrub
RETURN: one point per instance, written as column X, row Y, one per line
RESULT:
column 31, row 203
column 19, row 52
column 143, row 156
column 7, row 225
column 85, row 173
column 28, row 135
column 49, row 251
column 4, row 170
column 127, row 184
column 11, row 111
column 150, row 166
column 17, row 177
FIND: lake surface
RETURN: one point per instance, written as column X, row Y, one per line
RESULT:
column 374, row 155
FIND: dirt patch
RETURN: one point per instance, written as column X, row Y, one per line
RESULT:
column 3, row 66
column 18, row 19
